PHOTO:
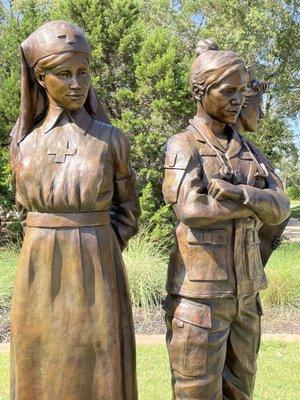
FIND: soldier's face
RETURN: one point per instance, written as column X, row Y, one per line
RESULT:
column 224, row 102
column 252, row 113
column 67, row 84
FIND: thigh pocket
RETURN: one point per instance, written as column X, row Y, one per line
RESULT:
column 188, row 338
column 207, row 254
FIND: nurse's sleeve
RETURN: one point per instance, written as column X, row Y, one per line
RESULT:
column 125, row 210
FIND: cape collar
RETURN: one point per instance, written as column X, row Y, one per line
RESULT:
column 55, row 115
column 204, row 134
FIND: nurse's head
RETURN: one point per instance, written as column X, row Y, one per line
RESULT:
column 65, row 79
column 58, row 57
column 54, row 70
column 251, row 112
column 218, row 82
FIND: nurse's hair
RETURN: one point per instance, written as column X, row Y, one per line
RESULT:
column 212, row 65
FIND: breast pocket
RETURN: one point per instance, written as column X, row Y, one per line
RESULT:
column 253, row 258
column 207, row 256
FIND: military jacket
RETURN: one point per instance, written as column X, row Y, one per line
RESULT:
column 217, row 244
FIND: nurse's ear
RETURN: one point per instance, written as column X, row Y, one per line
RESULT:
column 197, row 91
column 40, row 77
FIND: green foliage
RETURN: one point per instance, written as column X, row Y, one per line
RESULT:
column 295, row 212
column 293, row 192
column 146, row 263
column 283, row 272
column 8, row 262
column 6, row 193
column 141, row 54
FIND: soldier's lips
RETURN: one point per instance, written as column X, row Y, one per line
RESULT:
column 234, row 112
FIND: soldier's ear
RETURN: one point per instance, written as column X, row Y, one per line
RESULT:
column 40, row 77
column 198, row 91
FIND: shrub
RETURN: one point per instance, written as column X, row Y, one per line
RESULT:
column 8, row 263
column 146, row 263
column 293, row 192
column 283, row 271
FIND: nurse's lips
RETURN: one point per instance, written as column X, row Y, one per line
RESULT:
column 75, row 96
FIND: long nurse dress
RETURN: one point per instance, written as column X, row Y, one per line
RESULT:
column 71, row 320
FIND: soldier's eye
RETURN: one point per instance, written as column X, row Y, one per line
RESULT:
column 63, row 74
column 228, row 92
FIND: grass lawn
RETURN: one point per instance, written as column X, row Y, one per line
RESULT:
column 278, row 372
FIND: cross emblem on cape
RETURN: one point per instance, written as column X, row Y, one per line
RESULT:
column 62, row 152
column 68, row 34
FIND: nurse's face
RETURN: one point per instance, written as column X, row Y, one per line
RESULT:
column 224, row 102
column 67, row 84
column 252, row 113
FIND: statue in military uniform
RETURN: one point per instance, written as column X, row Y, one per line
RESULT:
column 71, row 318
column 248, row 120
column 222, row 190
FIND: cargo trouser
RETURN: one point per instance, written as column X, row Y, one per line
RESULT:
column 213, row 346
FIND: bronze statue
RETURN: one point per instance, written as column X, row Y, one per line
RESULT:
column 222, row 191
column 71, row 319
column 247, row 121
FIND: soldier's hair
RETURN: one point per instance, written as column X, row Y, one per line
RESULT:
column 212, row 65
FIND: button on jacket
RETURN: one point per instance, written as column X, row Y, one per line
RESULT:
column 217, row 244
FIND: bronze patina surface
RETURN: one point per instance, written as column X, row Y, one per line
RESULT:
column 247, row 121
column 222, row 190
column 72, row 328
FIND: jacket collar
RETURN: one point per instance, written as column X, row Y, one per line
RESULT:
column 56, row 115
column 204, row 134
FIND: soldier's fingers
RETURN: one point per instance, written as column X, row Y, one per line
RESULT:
column 214, row 191
column 219, row 196
column 212, row 185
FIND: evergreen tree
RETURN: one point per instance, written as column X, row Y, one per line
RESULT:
column 142, row 51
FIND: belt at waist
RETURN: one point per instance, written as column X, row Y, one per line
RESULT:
column 67, row 220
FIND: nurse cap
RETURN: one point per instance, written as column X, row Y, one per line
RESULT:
column 54, row 37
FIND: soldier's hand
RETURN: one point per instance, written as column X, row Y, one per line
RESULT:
column 222, row 190
column 276, row 242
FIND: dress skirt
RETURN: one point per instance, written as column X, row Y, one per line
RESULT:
column 71, row 319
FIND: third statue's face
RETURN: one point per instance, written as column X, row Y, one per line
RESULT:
column 252, row 113
column 67, row 84
column 224, row 102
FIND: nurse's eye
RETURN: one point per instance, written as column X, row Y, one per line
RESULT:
column 63, row 74
column 82, row 72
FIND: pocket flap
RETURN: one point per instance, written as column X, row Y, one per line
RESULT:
column 252, row 236
column 175, row 160
column 187, row 311
column 212, row 236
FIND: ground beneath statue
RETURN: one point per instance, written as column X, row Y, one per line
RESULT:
column 276, row 320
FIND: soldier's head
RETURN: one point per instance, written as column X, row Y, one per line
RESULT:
column 251, row 112
column 218, row 81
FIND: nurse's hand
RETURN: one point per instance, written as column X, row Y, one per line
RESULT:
column 223, row 190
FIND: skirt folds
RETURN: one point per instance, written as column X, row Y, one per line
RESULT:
column 71, row 319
